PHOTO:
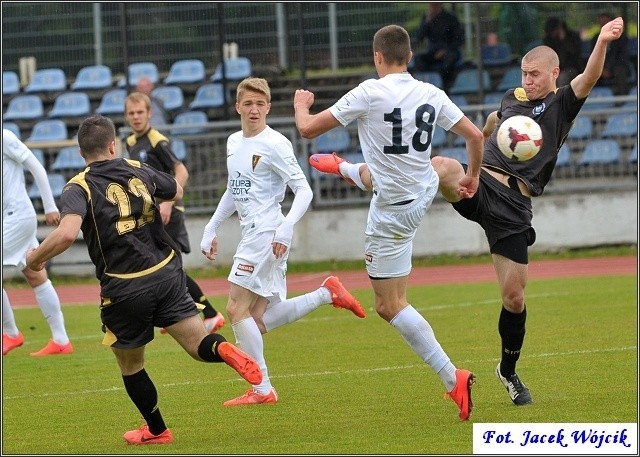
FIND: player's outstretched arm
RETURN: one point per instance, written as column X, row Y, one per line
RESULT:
column 584, row 82
column 311, row 125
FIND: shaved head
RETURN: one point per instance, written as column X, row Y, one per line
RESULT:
column 544, row 56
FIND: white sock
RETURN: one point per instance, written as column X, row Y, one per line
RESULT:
column 419, row 335
column 352, row 171
column 249, row 339
column 49, row 303
column 8, row 320
column 292, row 309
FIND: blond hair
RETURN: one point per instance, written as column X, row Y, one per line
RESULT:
column 137, row 97
column 259, row 85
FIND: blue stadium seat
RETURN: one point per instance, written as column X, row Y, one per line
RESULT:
column 466, row 82
column 68, row 159
column 57, row 182
column 459, row 100
column 13, row 127
column 582, row 128
column 93, row 77
column 49, row 130
column 112, row 102
column 189, row 123
column 595, row 102
column 458, row 153
column 208, row 96
column 10, row 83
column 601, row 152
column 633, row 156
column 235, row 69
column 510, row 79
column 439, row 138
column 172, row 97
column 621, row 125
column 71, row 104
column 497, row 55
column 187, row 71
column 138, row 70
column 354, row 157
column 24, row 107
column 47, row 80
column 179, row 148
column 492, row 100
column 564, row 156
column 39, row 153
column 432, row 77
column 335, row 140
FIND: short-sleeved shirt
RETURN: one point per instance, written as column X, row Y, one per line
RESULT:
column 259, row 169
column 396, row 117
column 121, row 223
column 555, row 114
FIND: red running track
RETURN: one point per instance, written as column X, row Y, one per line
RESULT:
column 303, row 282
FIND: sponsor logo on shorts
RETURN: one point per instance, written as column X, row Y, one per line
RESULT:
column 242, row 268
column 368, row 257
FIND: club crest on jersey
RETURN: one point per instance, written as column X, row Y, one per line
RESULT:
column 254, row 161
column 539, row 109
column 143, row 156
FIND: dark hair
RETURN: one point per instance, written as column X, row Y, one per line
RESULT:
column 95, row 134
column 393, row 43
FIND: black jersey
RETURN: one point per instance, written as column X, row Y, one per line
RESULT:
column 153, row 149
column 121, row 223
column 555, row 114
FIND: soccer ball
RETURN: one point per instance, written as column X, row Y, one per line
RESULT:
column 519, row 138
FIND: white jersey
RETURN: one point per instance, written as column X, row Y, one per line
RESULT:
column 15, row 199
column 396, row 116
column 259, row 169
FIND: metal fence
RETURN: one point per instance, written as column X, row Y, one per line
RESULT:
column 290, row 35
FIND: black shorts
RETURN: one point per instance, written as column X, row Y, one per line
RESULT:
column 177, row 230
column 502, row 212
column 132, row 319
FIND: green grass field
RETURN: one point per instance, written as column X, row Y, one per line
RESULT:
column 346, row 385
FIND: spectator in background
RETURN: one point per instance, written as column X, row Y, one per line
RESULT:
column 518, row 26
column 616, row 63
column 445, row 36
column 158, row 112
column 567, row 44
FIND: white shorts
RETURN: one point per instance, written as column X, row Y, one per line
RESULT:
column 18, row 236
column 389, row 236
column 256, row 268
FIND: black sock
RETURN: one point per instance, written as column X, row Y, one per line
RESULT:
column 208, row 348
column 198, row 296
column 511, row 328
column 144, row 395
